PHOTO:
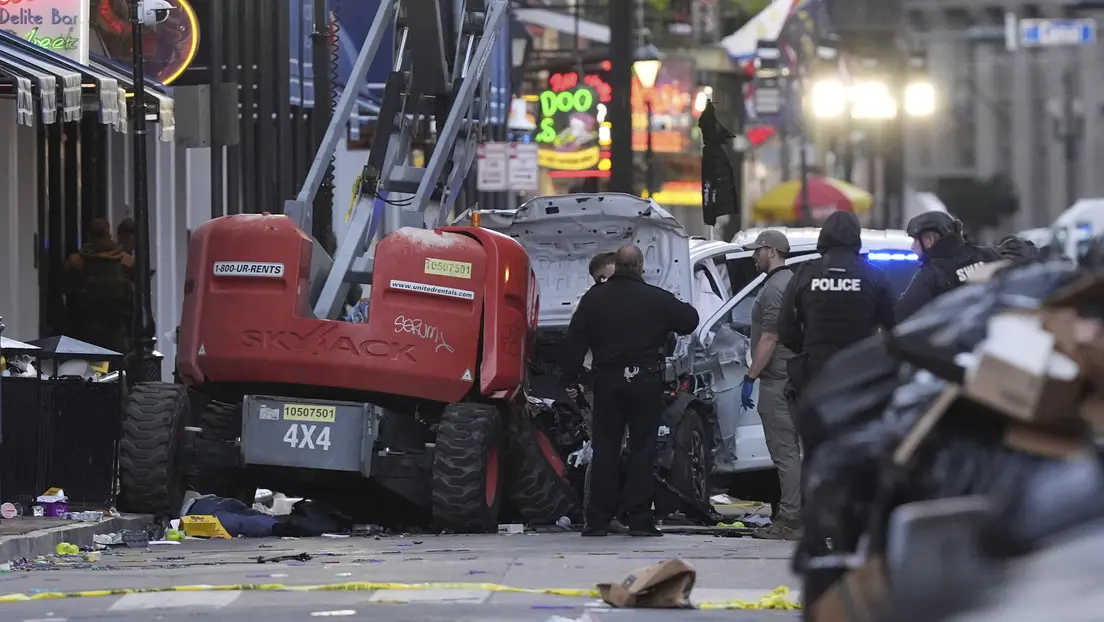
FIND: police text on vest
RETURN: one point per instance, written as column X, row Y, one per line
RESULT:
column 837, row 285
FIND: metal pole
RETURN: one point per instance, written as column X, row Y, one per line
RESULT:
column 649, row 155
column 1069, row 137
column 144, row 366
column 2, row 383
column 620, row 108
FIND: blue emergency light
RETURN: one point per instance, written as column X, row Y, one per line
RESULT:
column 892, row 256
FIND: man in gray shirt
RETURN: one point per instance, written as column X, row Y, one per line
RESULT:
column 768, row 365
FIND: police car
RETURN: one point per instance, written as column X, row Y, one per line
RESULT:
column 725, row 285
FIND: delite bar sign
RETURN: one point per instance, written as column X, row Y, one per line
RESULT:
column 249, row 268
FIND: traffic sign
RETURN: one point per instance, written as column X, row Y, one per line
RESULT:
column 524, row 170
column 491, row 173
column 1057, row 32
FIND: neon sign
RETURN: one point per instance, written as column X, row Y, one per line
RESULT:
column 553, row 103
column 564, row 81
column 57, row 25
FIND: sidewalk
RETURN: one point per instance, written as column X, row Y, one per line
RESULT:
column 29, row 537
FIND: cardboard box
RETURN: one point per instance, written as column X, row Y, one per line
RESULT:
column 1081, row 338
column 1019, row 373
column 1045, row 443
column 857, row 597
column 1092, row 412
column 666, row 585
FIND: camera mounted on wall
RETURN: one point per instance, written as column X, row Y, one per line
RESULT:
column 152, row 12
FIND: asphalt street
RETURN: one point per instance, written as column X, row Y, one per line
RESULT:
column 728, row 569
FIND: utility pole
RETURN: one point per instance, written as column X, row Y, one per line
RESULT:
column 145, row 364
column 1070, row 136
column 622, row 36
column 893, row 157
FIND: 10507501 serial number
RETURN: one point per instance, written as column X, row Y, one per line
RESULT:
column 307, row 412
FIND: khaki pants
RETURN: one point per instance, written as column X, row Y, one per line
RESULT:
column 782, row 443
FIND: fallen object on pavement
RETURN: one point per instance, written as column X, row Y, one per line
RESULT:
column 666, row 585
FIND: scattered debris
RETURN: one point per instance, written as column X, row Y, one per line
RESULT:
column 107, row 539
column 54, row 502
column 301, row 557
column 666, row 585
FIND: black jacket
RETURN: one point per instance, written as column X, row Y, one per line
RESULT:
column 624, row 321
column 834, row 301
column 944, row 266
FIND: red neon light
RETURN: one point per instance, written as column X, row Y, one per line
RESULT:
column 564, row 81
column 578, row 174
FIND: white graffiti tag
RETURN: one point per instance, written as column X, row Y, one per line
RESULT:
column 420, row 329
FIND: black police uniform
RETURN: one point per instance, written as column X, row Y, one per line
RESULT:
column 626, row 323
column 947, row 264
column 832, row 302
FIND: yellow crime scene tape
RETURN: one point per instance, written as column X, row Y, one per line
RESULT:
column 774, row 600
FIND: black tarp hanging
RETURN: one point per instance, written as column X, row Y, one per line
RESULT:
column 719, row 195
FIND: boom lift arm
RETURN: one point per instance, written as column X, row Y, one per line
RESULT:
column 433, row 81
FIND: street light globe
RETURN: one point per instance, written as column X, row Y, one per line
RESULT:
column 872, row 100
column 647, row 71
column 829, row 99
column 920, row 99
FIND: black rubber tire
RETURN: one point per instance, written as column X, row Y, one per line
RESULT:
column 691, row 466
column 538, row 491
column 151, row 480
column 465, row 439
column 221, row 424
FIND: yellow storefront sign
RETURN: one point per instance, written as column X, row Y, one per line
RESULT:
column 445, row 267
column 569, row 160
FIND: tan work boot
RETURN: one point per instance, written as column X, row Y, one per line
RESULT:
column 780, row 529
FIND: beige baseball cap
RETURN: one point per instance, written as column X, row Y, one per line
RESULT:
column 771, row 238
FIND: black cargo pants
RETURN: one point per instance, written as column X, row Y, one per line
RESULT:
column 624, row 396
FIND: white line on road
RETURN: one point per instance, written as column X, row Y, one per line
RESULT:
column 476, row 597
column 171, row 600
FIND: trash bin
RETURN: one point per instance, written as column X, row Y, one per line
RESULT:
column 61, row 423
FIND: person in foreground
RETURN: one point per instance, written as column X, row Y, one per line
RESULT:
column 625, row 323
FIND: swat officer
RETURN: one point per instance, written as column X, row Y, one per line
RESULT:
column 625, row 322
column 946, row 260
column 832, row 302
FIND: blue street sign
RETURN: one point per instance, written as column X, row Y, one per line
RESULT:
column 1057, row 32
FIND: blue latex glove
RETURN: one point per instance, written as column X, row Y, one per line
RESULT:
column 745, row 393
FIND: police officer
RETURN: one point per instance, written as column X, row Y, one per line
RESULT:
column 626, row 323
column 832, row 302
column 768, row 365
column 946, row 260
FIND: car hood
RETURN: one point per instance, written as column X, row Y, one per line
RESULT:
column 562, row 233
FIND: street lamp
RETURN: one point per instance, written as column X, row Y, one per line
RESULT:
column 920, row 99
column 828, row 99
column 145, row 364
column 647, row 71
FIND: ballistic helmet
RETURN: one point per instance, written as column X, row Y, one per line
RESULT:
column 937, row 222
